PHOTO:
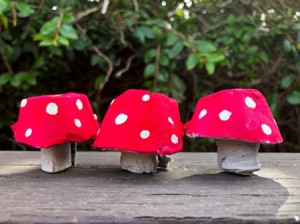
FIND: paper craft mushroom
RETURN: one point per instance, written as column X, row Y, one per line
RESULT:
column 142, row 125
column 54, row 123
column 240, row 120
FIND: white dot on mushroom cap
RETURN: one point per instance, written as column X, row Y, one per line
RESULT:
column 202, row 113
column 23, row 103
column 266, row 129
column 112, row 102
column 225, row 115
column 121, row 118
column 28, row 132
column 79, row 104
column 144, row 134
column 250, row 102
column 146, row 97
column 52, row 109
column 95, row 117
column 174, row 139
column 170, row 120
column 77, row 122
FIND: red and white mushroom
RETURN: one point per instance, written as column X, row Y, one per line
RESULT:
column 141, row 125
column 240, row 119
column 52, row 123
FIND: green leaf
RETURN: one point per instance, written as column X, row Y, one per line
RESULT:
column 149, row 55
column 19, row 78
column 214, row 58
column 296, row 26
column 210, row 68
column 63, row 41
column 192, row 61
column 6, row 50
column 5, row 78
column 39, row 36
column 162, row 76
column 157, row 33
column 99, row 80
column 176, row 49
column 79, row 45
column 205, row 46
column 68, row 32
column 252, row 49
column 263, row 55
column 231, row 19
column 24, row 9
column 294, row 98
column 4, row 21
column 95, row 60
column 287, row 46
column 149, row 71
column 68, row 18
column 49, row 27
column 6, row 35
column 46, row 43
column 39, row 62
column 3, row 6
column 172, row 39
column 286, row 81
column 31, row 80
column 142, row 32
column 163, row 60
column 246, row 38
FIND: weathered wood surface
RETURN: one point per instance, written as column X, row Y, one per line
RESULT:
column 193, row 190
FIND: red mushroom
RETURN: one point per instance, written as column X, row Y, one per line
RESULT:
column 52, row 122
column 240, row 120
column 141, row 125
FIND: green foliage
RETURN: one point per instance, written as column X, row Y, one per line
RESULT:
column 183, row 49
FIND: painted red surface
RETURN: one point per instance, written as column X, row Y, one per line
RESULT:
column 241, row 114
column 49, row 120
column 141, row 121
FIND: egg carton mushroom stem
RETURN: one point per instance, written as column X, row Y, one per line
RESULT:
column 56, row 158
column 139, row 162
column 238, row 157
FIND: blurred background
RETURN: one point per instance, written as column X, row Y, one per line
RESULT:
column 185, row 49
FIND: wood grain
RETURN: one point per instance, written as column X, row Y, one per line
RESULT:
column 193, row 190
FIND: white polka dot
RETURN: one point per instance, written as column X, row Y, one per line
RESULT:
column 112, row 102
column 52, row 109
column 250, row 102
column 225, row 115
column 145, row 134
column 95, row 117
column 23, row 103
column 170, row 120
column 202, row 113
column 146, row 97
column 121, row 118
column 77, row 123
column 266, row 129
column 79, row 104
column 174, row 139
column 28, row 132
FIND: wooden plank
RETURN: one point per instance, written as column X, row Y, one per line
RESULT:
column 193, row 190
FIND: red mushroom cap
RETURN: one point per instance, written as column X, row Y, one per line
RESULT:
column 141, row 121
column 49, row 120
column 241, row 114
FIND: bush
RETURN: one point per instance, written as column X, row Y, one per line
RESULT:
column 184, row 49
